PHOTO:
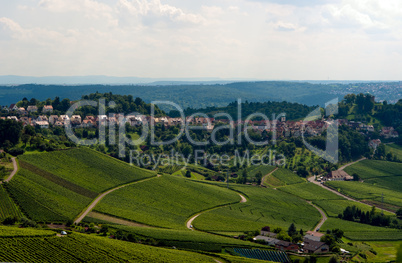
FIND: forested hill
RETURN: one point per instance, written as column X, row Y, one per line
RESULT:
column 199, row 96
column 293, row 111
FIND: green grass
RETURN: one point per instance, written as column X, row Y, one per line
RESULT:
column 394, row 149
column 81, row 248
column 386, row 251
column 287, row 177
column 364, row 191
column 265, row 207
column 379, row 173
column 44, row 200
column 7, row 206
column 310, row 191
column 13, row 231
column 87, row 168
column 264, row 169
column 167, row 201
column 334, row 207
column 357, row 231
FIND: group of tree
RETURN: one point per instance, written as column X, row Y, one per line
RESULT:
column 353, row 213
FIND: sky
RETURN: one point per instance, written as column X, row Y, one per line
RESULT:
column 228, row 39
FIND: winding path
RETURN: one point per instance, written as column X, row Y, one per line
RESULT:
column 268, row 174
column 323, row 217
column 190, row 221
column 13, row 172
column 84, row 213
column 312, row 180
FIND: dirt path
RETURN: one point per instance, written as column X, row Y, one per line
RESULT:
column 190, row 221
column 13, row 172
column 349, row 164
column 323, row 217
column 265, row 176
column 84, row 213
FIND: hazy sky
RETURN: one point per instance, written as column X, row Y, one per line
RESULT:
column 258, row 39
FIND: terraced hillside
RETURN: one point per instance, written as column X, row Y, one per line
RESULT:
column 7, row 205
column 167, row 201
column 81, row 248
column 379, row 173
column 282, row 177
column 264, row 207
column 57, row 186
column 87, row 168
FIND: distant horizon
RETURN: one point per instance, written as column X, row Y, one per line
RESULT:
column 129, row 80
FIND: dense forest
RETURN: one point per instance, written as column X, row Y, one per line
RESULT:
column 293, row 111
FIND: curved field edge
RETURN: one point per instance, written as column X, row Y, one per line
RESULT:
column 87, row 168
column 166, row 201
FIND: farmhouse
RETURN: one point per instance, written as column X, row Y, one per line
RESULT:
column 269, row 240
column 13, row 107
column 338, row 175
column 285, row 245
column 266, row 231
column 312, row 236
column 315, row 247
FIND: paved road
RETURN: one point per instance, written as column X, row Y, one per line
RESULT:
column 13, row 172
column 190, row 221
column 265, row 176
column 323, row 217
column 97, row 200
column 311, row 179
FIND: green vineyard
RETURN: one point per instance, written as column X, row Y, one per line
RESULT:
column 7, row 206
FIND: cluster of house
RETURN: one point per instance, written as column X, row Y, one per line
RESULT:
column 44, row 121
column 29, row 109
column 311, row 242
column 281, row 127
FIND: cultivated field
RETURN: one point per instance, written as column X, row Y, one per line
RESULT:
column 7, row 206
column 264, row 206
column 167, row 201
column 357, row 231
column 87, row 168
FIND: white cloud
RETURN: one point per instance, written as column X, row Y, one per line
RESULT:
column 173, row 38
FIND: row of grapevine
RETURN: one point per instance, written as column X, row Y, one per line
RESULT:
column 7, row 206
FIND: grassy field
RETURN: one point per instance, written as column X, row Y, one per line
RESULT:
column 87, row 168
column 363, row 191
column 11, row 231
column 264, row 207
column 83, row 248
column 310, row 191
column 394, row 149
column 363, row 232
column 43, row 200
column 379, row 173
column 167, row 201
column 7, row 206
column 334, row 207
column 287, row 177
column 186, row 238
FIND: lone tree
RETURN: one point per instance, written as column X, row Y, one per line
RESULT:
column 292, row 230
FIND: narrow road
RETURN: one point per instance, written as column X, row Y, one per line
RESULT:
column 349, row 164
column 190, row 221
column 265, row 176
column 311, row 179
column 323, row 217
column 13, row 172
column 84, row 213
